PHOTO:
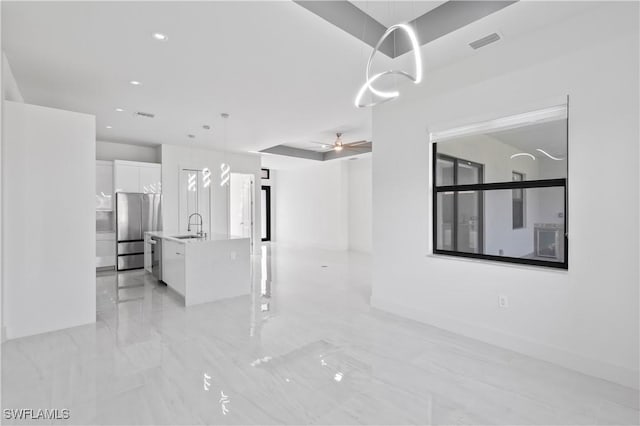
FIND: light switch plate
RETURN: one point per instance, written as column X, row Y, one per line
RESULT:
column 503, row 301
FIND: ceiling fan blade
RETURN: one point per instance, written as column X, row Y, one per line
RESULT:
column 356, row 143
column 322, row 143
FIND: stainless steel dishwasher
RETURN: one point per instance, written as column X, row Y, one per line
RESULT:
column 156, row 257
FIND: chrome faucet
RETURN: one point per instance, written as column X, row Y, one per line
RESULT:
column 199, row 233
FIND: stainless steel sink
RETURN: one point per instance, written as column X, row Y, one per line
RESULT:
column 186, row 237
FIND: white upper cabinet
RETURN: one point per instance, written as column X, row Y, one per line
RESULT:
column 132, row 176
column 127, row 178
column 104, row 185
column 150, row 180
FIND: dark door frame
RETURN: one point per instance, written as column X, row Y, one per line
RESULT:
column 267, row 209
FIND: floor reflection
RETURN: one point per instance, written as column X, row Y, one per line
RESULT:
column 304, row 347
column 262, row 278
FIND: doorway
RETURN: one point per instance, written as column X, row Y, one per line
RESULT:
column 241, row 201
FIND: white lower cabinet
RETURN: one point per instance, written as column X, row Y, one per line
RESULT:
column 105, row 249
column 173, row 265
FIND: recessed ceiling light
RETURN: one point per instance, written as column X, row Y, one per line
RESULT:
column 119, row 109
column 135, row 83
column 108, row 127
column 160, row 37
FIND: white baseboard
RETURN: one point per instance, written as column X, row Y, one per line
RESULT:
column 614, row 373
column 32, row 330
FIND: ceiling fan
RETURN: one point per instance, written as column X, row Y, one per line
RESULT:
column 338, row 145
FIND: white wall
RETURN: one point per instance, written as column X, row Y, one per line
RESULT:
column 175, row 158
column 10, row 92
column 323, row 205
column 586, row 318
column 10, row 89
column 121, row 151
column 240, row 204
column 311, row 206
column 360, row 193
column 2, row 83
column 48, row 203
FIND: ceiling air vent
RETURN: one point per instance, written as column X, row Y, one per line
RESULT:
column 144, row 114
column 484, row 41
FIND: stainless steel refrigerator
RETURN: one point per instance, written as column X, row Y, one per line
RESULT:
column 135, row 215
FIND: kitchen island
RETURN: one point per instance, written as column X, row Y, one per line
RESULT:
column 205, row 269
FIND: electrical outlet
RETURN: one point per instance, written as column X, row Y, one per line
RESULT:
column 503, row 301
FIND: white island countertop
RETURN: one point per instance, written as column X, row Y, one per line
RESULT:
column 175, row 236
column 204, row 269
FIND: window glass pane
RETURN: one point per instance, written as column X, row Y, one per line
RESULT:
column 518, row 203
column 483, row 223
column 518, row 209
column 444, row 171
column 536, row 151
column 468, row 173
column 469, row 223
column 445, row 225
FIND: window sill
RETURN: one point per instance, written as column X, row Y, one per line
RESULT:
column 520, row 266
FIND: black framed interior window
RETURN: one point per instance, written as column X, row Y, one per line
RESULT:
column 502, row 194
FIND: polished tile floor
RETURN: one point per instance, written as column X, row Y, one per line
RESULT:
column 304, row 348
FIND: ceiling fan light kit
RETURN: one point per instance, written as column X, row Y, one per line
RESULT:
column 416, row 78
column 338, row 145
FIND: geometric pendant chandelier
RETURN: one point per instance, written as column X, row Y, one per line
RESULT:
column 385, row 96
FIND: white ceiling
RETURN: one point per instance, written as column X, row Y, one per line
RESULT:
column 389, row 13
column 550, row 137
column 282, row 162
column 324, row 142
column 285, row 75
